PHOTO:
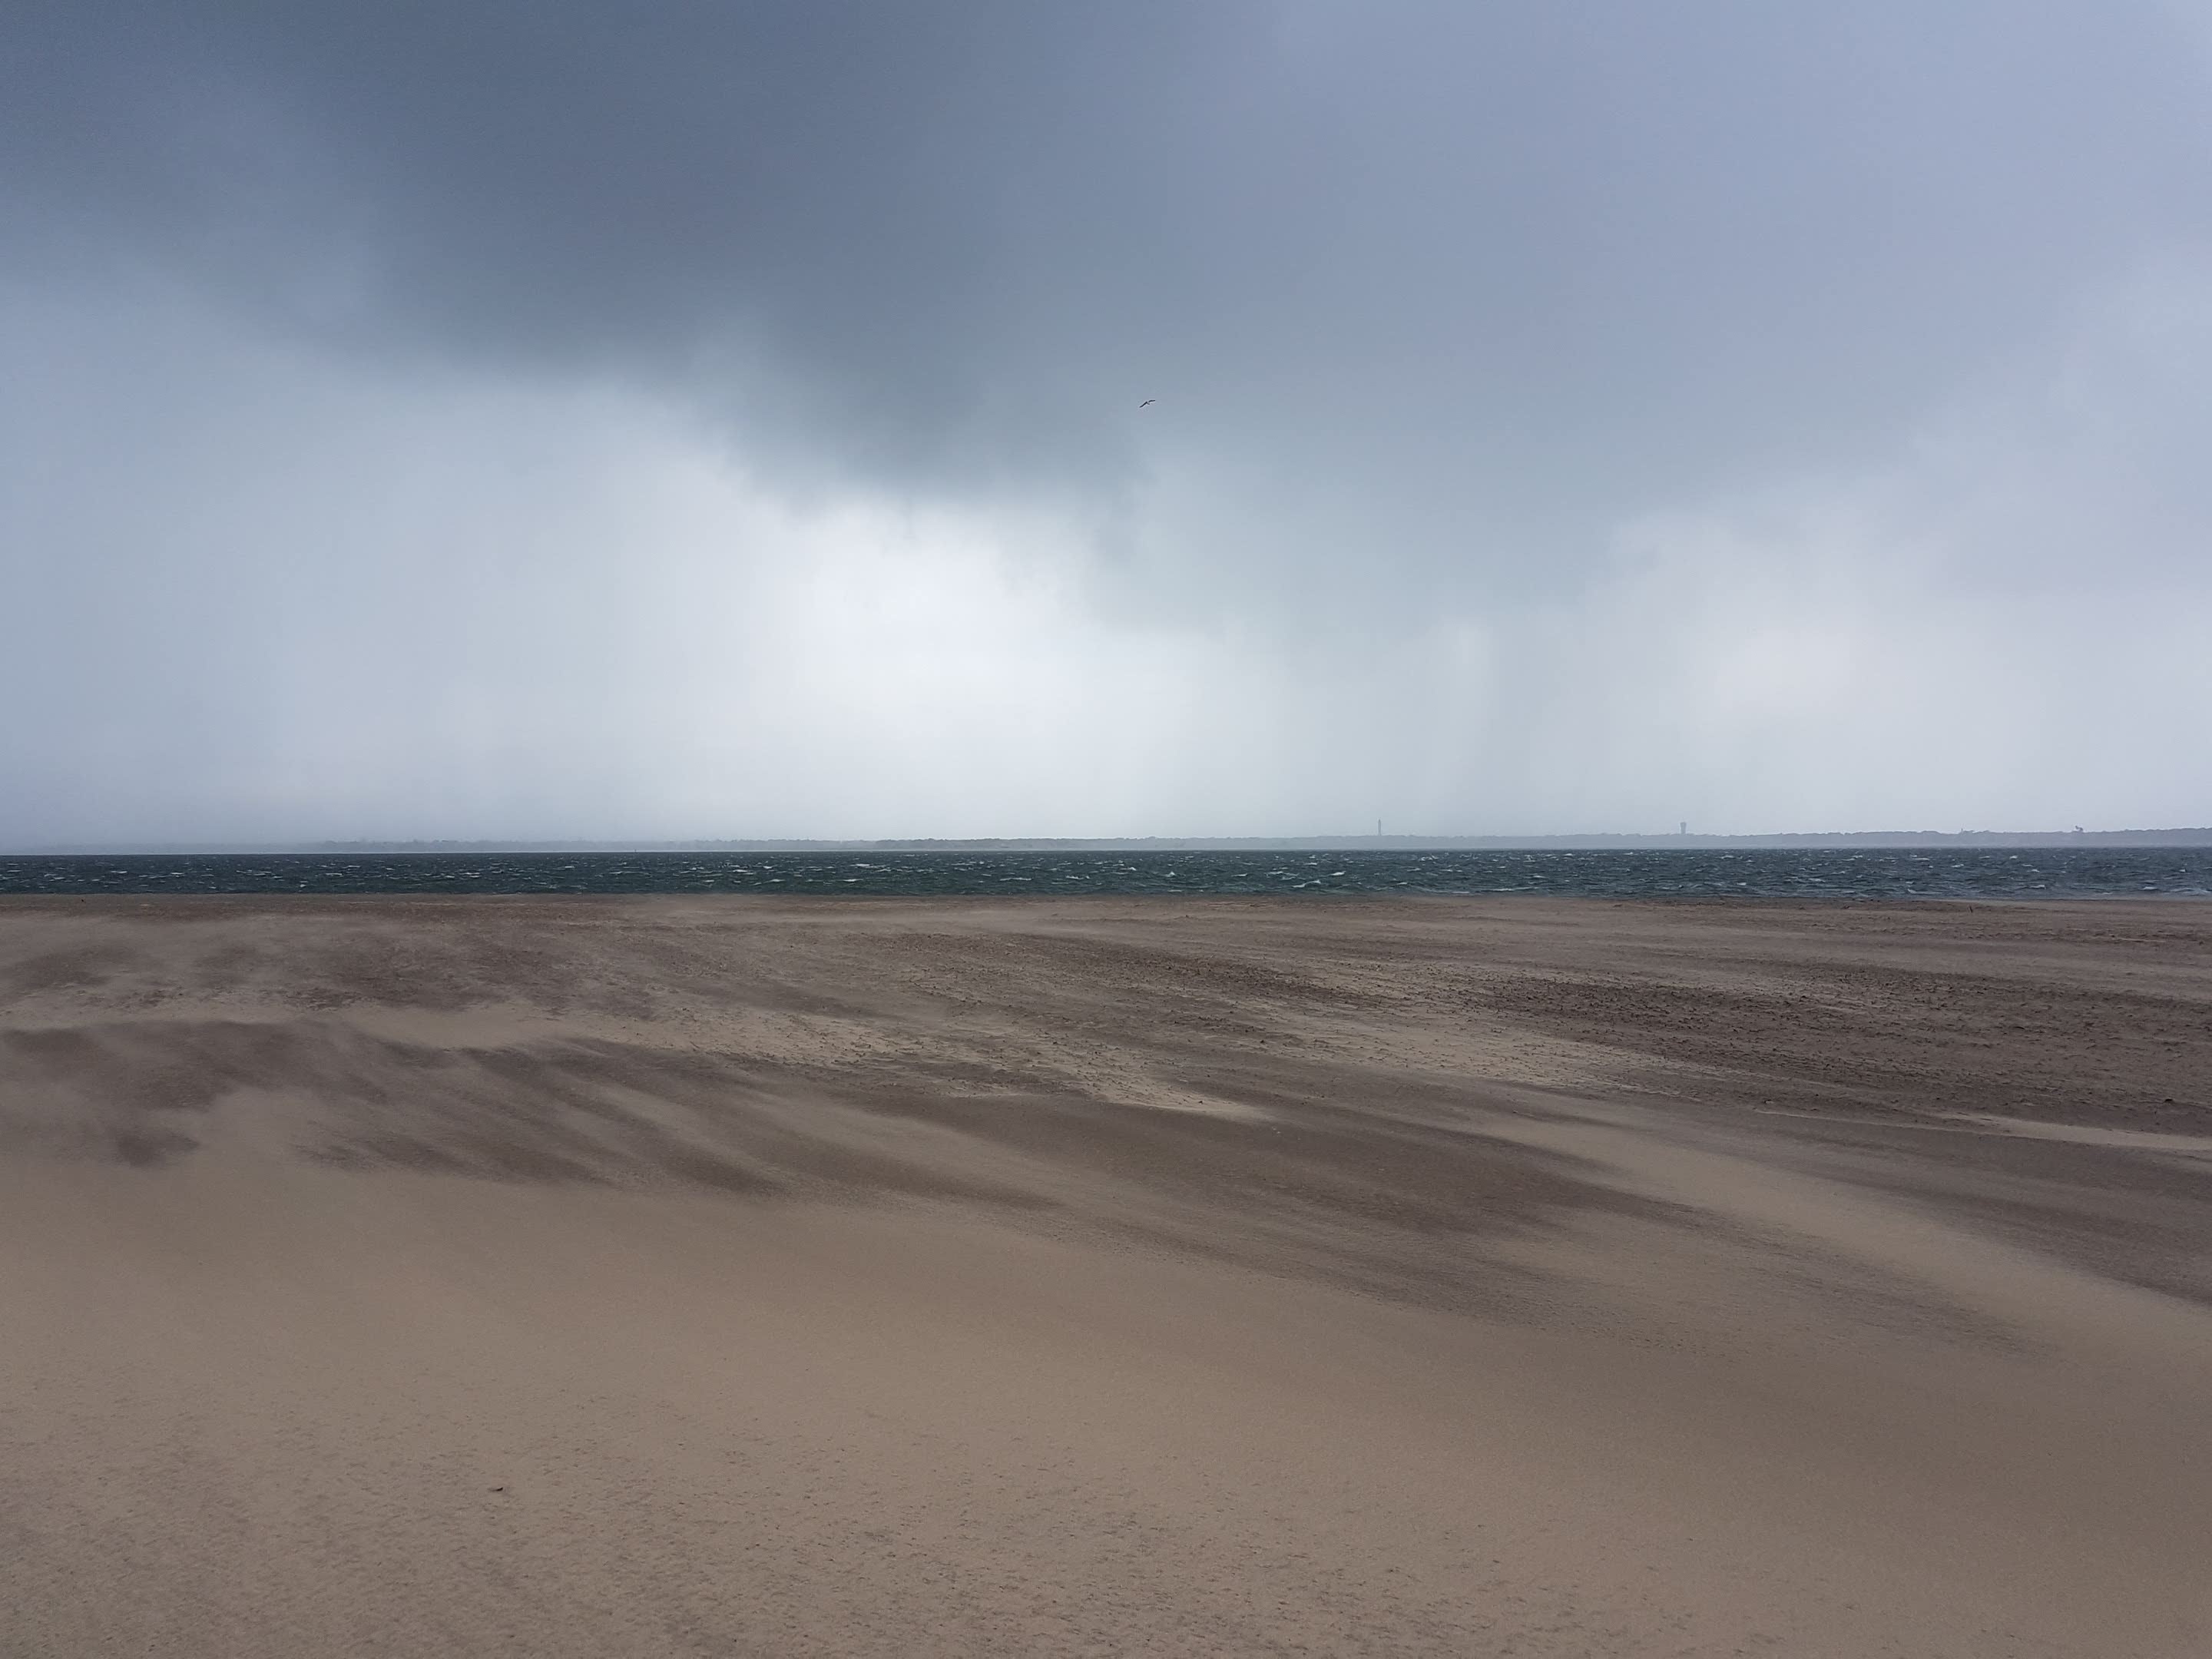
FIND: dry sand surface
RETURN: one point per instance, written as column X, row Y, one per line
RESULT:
column 735, row 1277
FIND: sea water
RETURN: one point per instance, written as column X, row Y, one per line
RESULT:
column 1762, row 872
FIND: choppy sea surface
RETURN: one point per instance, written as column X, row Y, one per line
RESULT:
column 1968, row 872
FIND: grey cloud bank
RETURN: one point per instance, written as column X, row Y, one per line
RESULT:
column 509, row 420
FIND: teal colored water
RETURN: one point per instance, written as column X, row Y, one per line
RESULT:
column 1972, row 872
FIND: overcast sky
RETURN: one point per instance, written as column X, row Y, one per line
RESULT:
column 484, row 419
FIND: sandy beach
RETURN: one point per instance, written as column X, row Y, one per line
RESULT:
column 747, row 1277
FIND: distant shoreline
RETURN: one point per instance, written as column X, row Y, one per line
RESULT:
column 1873, row 840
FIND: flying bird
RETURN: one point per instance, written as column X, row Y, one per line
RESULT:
column 1148, row 403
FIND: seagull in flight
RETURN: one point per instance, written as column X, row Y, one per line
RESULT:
column 1148, row 403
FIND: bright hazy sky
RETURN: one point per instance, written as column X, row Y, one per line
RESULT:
column 462, row 419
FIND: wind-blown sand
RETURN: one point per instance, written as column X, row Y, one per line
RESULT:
column 720, row 1276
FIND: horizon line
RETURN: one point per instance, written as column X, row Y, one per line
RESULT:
column 1563, row 841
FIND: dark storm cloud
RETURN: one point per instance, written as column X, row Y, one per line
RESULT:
column 1515, row 268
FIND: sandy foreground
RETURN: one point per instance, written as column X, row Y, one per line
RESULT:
column 731, row 1276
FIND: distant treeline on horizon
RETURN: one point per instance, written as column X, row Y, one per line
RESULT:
column 1871, row 838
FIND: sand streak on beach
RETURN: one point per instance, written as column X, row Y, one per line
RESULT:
column 731, row 1276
